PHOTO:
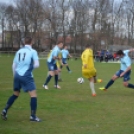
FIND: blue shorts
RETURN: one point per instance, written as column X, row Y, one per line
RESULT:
column 51, row 66
column 24, row 82
column 126, row 77
column 64, row 60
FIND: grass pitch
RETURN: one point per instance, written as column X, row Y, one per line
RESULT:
column 71, row 110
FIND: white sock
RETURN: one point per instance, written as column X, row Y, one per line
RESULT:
column 92, row 87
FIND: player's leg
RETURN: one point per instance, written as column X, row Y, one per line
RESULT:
column 33, row 105
column 28, row 85
column 111, row 81
column 59, row 74
column 67, row 67
column 126, row 79
column 91, row 83
column 12, row 98
column 9, row 104
column 51, row 74
column 56, row 76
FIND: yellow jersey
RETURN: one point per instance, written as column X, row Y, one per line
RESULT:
column 87, row 59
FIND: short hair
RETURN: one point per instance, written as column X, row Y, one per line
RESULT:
column 87, row 45
column 28, row 40
column 59, row 42
column 65, row 45
column 119, row 52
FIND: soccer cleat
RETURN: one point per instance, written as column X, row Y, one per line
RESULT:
column 58, row 87
column 36, row 119
column 4, row 115
column 70, row 72
column 103, row 88
column 93, row 95
column 45, row 86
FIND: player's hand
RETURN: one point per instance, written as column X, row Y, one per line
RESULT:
column 85, row 66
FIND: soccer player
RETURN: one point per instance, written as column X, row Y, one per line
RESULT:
column 88, row 69
column 58, row 63
column 124, row 72
column 25, row 60
column 65, row 55
column 52, row 67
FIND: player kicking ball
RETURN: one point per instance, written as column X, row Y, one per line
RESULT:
column 124, row 72
column 88, row 69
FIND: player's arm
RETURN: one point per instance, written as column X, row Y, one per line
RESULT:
column 131, row 50
column 123, row 73
column 55, row 55
column 36, row 59
column 84, row 58
column 14, row 65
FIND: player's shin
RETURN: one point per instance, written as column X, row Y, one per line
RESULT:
column 10, row 102
column 33, row 105
column 68, row 68
column 92, row 88
column 56, row 79
column 48, row 79
column 109, row 84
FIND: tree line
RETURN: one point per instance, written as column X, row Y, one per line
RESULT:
column 78, row 22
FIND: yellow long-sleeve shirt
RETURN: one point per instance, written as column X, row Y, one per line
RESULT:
column 87, row 59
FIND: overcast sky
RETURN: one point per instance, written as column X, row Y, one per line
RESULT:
column 9, row 1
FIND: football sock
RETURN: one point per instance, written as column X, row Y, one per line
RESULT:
column 10, row 101
column 92, row 88
column 68, row 68
column 48, row 79
column 109, row 84
column 130, row 85
column 56, row 79
column 33, row 105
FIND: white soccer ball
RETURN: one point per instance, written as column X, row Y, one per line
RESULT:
column 80, row 80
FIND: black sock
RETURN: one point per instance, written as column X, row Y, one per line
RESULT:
column 56, row 80
column 68, row 68
column 130, row 85
column 109, row 84
column 10, row 101
column 48, row 79
column 33, row 105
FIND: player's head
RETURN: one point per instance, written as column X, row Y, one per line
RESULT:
column 28, row 40
column 88, row 46
column 120, row 53
column 60, row 44
column 65, row 47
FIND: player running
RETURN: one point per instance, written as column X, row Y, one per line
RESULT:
column 124, row 72
column 52, row 67
column 88, row 69
column 26, row 59
column 65, row 55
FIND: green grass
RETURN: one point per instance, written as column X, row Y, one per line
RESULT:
column 71, row 110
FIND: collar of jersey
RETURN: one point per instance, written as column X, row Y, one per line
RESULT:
column 28, row 46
